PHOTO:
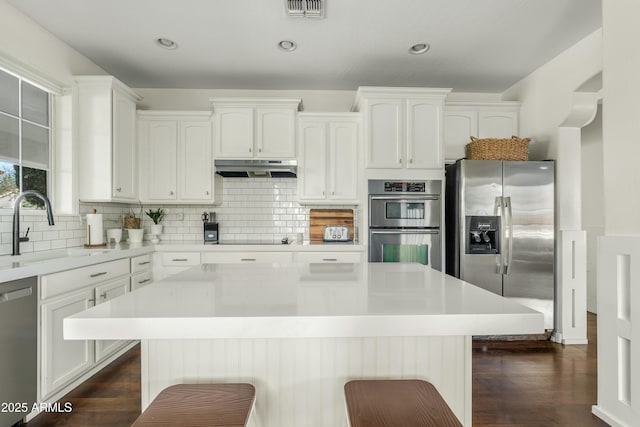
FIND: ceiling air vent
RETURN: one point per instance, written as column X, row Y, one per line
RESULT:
column 305, row 8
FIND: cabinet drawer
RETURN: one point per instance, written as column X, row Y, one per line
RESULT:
column 141, row 279
column 177, row 259
column 65, row 281
column 109, row 291
column 141, row 263
column 328, row 257
column 247, row 257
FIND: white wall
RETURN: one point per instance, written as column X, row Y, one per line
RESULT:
column 546, row 95
column 27, row 43
column 618, row 254
column 621, row 119
column 198, row 99
column 592, row 200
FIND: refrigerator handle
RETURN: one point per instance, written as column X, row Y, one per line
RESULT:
column 509, row 226
column 499, row 212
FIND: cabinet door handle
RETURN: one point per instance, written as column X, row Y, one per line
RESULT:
column 119, row 189
column 259, row 150
column 330, row 259
column 171, row 193
column 144, row 263
column 103, row 295
column 91, row 300
column 249, row 149
column 333, row 193
column 410, row 160
column 102, row 273
column 247, row 259
column 179, row 259
column 207, row 193
column 400, row 161
column 143, row 281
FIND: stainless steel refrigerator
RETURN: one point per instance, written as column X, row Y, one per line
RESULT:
column 500, row 231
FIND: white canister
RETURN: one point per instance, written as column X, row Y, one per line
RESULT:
column 135, row 235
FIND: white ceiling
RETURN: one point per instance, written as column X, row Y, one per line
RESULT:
column 476, row 45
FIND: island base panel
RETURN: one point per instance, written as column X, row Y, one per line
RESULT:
column 300, row 381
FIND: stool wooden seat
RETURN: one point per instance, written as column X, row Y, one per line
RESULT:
column 200, row 405
column 397, row 403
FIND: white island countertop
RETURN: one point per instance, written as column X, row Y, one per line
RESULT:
column 304, row 300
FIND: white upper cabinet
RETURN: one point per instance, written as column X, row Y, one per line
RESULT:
column 424, row 134
column 255, row 128
column 106, row 133
column 482, row 120
column 312, row 156
column 402, row 127
column 176, row 158
column 158, row 160
column 195, row 158
column 328, row 158
column 498, row 124
column 234, row 132
column 384, row 133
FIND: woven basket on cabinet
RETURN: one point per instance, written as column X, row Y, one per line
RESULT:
column 513, row 148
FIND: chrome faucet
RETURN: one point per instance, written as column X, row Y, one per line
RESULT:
column 16, row 216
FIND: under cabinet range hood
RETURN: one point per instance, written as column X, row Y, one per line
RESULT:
column 251, row 168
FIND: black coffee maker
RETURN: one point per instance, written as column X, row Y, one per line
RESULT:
column 210, row 226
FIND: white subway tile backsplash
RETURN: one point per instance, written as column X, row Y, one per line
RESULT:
column 252, row 208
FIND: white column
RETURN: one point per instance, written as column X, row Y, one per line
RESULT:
column 571, row 249
column 619, row 249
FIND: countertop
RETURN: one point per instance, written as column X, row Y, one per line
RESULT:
column 304, row 300
column 47, row 262
column 295, row 246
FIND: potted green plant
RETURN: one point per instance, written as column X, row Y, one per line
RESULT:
column 156, row 228
column 132, row 225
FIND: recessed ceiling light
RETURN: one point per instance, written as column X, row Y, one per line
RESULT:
column 287, row 45
column 166, row 43
column 419, row 48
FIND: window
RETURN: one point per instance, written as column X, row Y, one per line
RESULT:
column 25, row 137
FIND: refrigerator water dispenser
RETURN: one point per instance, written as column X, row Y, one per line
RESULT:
column 483, row 235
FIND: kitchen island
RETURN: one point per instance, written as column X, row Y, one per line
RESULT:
column 300, row 332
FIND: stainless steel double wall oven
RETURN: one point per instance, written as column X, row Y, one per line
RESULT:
column 404, row 222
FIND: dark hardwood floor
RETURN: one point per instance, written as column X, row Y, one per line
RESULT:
column 111, row 398
column 522, row 383
column 535, row 383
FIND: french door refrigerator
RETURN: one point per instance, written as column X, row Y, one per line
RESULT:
column 499, row 228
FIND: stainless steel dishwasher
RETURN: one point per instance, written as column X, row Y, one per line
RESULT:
column 18, row 348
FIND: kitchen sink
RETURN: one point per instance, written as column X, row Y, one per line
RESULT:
column 34, row 257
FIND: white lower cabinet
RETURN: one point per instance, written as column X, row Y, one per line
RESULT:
column 62, row 361
column 104, row 293
column 141, row 271
column 141, row 279
column 168, row 263
column 247, row 257
column 328, row 257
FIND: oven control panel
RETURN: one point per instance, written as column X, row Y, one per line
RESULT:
column 424, row 187
column 404, row 186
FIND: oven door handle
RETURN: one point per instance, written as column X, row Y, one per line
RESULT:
column 406, row 197
column 405, row 231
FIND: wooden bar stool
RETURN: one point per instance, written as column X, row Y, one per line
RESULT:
column 200, row 405
column 396, row 403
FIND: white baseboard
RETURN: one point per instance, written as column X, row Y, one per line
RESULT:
column 607, row 417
